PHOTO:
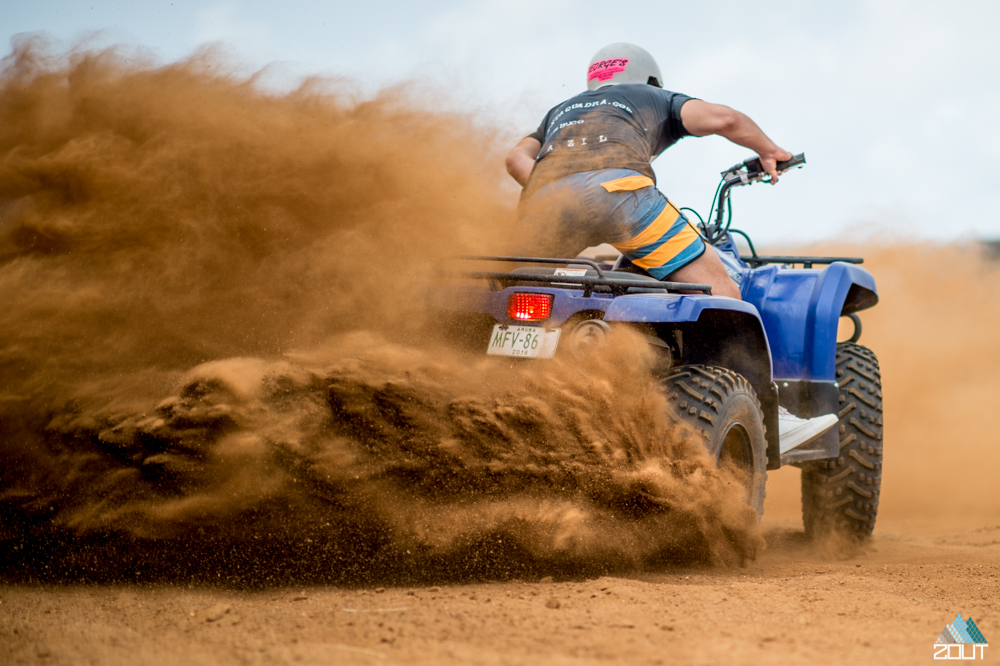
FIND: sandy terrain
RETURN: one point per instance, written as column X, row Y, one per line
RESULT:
column 795, row 604
column 935, row 554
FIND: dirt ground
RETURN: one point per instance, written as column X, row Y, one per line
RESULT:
column 796, row 604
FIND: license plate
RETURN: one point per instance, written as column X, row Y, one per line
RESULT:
column 523, row 341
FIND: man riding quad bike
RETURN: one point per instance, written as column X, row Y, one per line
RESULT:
column 749, row 349
column 587, row 180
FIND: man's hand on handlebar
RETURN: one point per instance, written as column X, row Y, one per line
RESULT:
column 769, row 162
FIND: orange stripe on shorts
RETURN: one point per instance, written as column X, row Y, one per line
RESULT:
column 668, row 250
column 628, row 184
column 653, row 232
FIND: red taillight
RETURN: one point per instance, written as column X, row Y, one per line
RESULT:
column 529, row 307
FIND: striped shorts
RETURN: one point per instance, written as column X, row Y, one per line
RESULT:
column 617, row 206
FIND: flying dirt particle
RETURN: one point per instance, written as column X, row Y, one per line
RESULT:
column 552, row 602
column 216, row 612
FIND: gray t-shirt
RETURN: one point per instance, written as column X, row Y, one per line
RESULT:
column 615, row 127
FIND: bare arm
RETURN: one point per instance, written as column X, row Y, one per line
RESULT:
column 521, row 160
column 701, row 119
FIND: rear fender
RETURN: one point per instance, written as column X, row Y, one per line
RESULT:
column 566, row 303
column 713, row 330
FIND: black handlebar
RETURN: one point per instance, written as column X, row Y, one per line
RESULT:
column 754, row 167
column 795, row 161
column 744, row 173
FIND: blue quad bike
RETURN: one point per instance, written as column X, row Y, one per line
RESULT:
column 726, row 365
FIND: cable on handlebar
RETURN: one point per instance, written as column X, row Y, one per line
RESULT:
column 753, row 251
column 698, row 228
column 704, row 226
column 744, row 173
column 696, row 214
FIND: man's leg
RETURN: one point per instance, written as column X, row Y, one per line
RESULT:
column 663, row 239
column 707, row 269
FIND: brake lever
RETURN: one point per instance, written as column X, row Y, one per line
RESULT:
column 736, row 177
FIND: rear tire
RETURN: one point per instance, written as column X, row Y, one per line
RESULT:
column 842, row 494
column 724, row 410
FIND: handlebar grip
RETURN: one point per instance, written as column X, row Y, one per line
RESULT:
column 755, row 169
column 795, row 161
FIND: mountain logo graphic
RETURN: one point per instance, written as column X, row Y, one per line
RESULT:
column 952, row 641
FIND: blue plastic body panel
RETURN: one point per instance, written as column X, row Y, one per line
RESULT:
column 801, row 309
column 798, row 310
column 644, row 308
column 654, row 308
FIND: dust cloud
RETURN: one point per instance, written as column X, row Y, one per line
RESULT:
column 935, row 330
column 211, row 354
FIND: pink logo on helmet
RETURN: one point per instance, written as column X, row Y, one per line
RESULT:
column 602, row 70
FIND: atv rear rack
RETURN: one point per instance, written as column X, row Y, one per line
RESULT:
column 618, row 286
column 807, row 262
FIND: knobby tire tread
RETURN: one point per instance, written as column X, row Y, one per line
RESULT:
column 697, row 393
column 842, row 494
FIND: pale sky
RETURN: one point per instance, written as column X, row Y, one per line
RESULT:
column 896, row 104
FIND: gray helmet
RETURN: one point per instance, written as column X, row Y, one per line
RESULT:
column 622, row 63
